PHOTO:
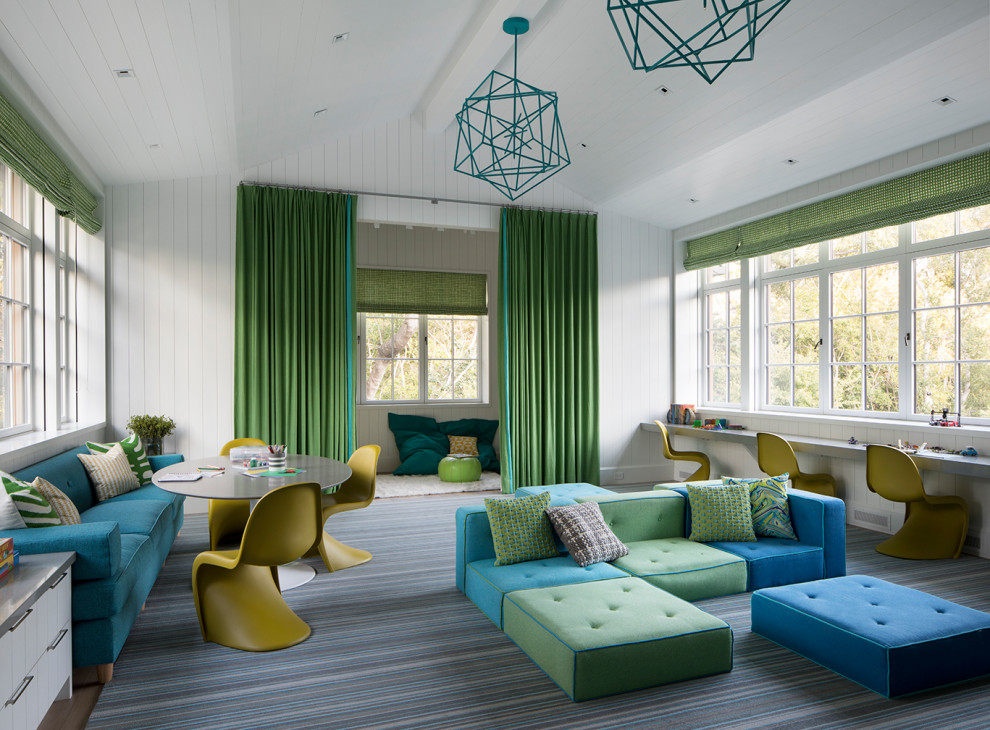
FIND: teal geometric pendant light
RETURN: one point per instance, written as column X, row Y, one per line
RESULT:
column 509, row 132
column 691, row 34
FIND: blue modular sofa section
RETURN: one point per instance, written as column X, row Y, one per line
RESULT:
column 120, row 547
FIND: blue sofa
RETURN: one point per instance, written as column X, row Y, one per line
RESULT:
column 120, row 547
column 654, row 526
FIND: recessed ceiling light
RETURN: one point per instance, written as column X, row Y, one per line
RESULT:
column 693, row 200
column 154, row 146
column 663, row 90
column 318, row 112
column 124, row 73
column 791, row 161
column 584, row 145
column 340, row 38
column 945, row 101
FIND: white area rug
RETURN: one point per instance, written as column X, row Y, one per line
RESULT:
column 389, row 485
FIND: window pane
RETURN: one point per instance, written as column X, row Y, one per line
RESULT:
column 735, row 385
column 779, row 301
column 406, row 380
column 779, row 343
column 717, row 387
column 847, row 340
column 881, row 387
column 974, row 388
column 974, row 275
column 439, row 336
column 724, row 272
column 441, row 383
column 847, row 387
column 881, row 239
column 881, row 288
column 974, row 219
column 778, row 260
column 717, row 308
column 378, row 380
column 735, row 347
column 806, row 298
column 974, row 332
column 881, row 338
column 805, row 339
column 735, row 313
column 847, row 246
column 807, row 254
column 939, row 226
column 466, row 338
column 466, row 379
column 806, row 386
column 847, row 293
column 935, row 335
column 935, row 387
column 935, row 281
column 779, row 382
column 718, row 347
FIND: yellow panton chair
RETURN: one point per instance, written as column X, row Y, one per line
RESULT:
column 237, row 597
column 228, row 516
column 703, row 472
column 775, row 457
column 356, row 493
column 934, row 527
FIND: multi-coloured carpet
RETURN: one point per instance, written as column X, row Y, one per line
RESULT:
column 396, row 645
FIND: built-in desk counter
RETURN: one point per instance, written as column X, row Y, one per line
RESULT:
column 971, row 466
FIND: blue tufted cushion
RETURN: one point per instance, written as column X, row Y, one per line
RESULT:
column 891, row 639
column 67, row 473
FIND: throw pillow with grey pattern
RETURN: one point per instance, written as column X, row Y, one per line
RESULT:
column 584, row 533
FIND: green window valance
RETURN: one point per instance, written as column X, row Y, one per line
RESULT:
column 30, row 157
column 420, row 292
column 953, row 186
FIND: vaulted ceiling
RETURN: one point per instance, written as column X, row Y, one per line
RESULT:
column 221, row 85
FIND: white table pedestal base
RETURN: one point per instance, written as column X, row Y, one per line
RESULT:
column 293, row 575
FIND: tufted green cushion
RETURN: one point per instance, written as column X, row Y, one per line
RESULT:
column 520, row 528
column 134, row 451
column 720, row 513
column 768, row 502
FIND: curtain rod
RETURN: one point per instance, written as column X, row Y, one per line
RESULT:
column 435, row 201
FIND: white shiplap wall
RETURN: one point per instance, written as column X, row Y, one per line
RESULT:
column 172, row 285
column 426, row 248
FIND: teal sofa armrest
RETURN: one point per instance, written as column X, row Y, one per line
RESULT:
column 96, row 544
column 160, row 462
column 820, row 520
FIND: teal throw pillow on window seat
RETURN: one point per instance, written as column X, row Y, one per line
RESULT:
column 423, row 442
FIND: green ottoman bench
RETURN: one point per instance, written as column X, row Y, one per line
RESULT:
column 610, row 636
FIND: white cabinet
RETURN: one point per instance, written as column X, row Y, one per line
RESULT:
column 35, row 639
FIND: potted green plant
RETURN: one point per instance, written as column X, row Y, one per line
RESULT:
column 151, row 430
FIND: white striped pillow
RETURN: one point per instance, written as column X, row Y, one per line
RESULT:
column 10, row 517
column 32, row 507
column 110, row 473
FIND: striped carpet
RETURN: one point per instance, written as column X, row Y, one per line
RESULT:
column 396, row 645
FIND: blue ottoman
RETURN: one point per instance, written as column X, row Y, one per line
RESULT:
column 891, row 639
column 570, row 491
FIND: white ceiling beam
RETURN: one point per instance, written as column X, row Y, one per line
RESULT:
column 482, row 46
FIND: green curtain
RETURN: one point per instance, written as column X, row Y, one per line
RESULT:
column 421, row 292
column 294, row 313
column 30, row 157
column 548, row 341
column 953, row 186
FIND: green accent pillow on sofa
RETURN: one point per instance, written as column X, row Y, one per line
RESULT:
column 520, row 528
column 720, row 513
column 423, row 442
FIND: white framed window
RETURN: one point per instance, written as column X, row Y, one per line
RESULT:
column 422, row 358
column 66, row 331
column 722, row 316
column 15, row 334
column 887, row 323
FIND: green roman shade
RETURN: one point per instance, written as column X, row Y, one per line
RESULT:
column 390, row 291
column 30, row 157
column 953, row 186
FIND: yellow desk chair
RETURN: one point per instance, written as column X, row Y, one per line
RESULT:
column 227, row 517
column 703, row 472
column 934, row 527
column 775, row 457
column 236, row 592
column 356, row 493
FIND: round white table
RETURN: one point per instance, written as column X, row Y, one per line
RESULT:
column 233, row 483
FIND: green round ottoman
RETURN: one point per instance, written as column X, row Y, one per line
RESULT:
column 459, row 468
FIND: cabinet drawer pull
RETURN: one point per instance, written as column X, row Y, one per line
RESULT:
column 21, row 619
column 20, row 690
column 58, row 639
column 60, row 579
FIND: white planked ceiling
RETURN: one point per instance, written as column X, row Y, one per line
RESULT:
column 222, row 85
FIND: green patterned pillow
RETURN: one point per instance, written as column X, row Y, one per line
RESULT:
column 720, row 513
column 33, row 508
column 768, row 501
column 134, row 451
column 521, row 529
